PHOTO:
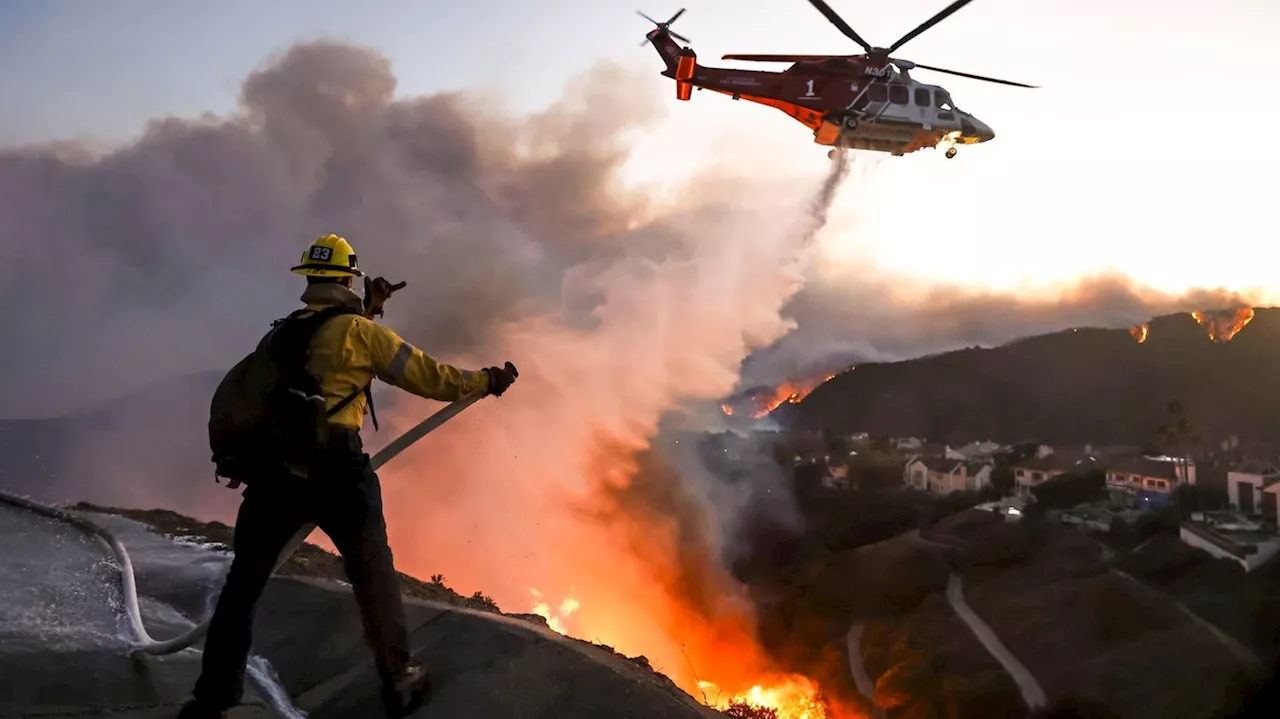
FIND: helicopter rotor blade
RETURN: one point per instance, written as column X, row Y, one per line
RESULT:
column 840, row 24
column 779, row 58
column 975, row 77
column 665, row 26
column 943, row 14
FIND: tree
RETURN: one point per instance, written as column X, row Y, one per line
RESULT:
column 739, row 709
column 1068, row 490
column 836, row 444
column 1178, row 433
column 807, row 479
column 1002, row 478
column 875, row 470
column 1200, row 498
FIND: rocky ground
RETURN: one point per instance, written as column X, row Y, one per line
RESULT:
column 62, row 651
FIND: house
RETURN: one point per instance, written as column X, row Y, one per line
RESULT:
column 978, row 476
column 836, row 476
column 933, row 449
column 1094, row 518
column 944, row 476
column 1147, row 481
column 1037, row 470
column 980, row 452
column 1109, row 453
column 1230, row 538
column 908, row 444
column 1253, row 487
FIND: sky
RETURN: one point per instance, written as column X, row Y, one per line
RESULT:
column 1143, row 152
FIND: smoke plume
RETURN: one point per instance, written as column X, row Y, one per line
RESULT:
column 169, row 257
column 843, row 318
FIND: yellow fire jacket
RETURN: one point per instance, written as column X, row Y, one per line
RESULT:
column 348, row 351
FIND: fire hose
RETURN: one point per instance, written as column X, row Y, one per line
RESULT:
column 143, row 642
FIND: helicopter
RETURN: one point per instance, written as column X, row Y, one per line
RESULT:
column 867, row 101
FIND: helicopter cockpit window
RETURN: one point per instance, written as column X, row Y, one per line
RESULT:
column 922, row 97
column 943, row 100
column 877, row 92
column 898, row 95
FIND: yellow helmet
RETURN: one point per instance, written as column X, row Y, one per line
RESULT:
column 329, row 256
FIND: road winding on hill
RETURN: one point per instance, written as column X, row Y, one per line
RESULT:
column 861, row 679
column 1032, row 693
column 1242, row 653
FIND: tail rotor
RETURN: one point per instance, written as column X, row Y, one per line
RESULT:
column 665, row 26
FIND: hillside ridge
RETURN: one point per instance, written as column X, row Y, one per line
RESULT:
column 1081, row 384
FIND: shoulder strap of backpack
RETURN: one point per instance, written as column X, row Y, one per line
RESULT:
column 304, row 324
column 367, row 391
column 289, row 341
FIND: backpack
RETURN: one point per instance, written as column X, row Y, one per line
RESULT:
column 268, row 413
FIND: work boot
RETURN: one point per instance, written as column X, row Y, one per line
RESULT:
column 407, row 692
column 195, row 709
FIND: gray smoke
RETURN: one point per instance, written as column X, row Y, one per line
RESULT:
column 841, row 321
column 170, row 255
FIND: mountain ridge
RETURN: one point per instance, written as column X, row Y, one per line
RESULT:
column 1083, row 384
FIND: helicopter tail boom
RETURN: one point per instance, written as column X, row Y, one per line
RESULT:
column 681, row 62
column 668, row 49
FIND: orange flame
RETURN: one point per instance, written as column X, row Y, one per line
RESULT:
column 791, row 697
column 1140, row 332
column 791, row 391
column 1223, row 325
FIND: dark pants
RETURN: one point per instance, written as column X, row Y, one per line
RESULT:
column 345, row 500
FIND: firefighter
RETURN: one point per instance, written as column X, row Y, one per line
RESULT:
column 341, row 495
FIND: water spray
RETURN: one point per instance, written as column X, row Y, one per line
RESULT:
column 143, row 642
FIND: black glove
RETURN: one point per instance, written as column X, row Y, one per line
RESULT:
column 377, row 290
column 501, row 378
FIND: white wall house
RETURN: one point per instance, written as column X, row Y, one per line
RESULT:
column 939, row 475
column 1248, row 549
column 1253, row 488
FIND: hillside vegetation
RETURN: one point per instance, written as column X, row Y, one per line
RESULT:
column 1081, row 385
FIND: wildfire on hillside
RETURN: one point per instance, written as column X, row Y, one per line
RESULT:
column 759, row 403
column 1223, row 325
column 791, row 392
column 789, row 696
column 792, row 697
column 1140, row 332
